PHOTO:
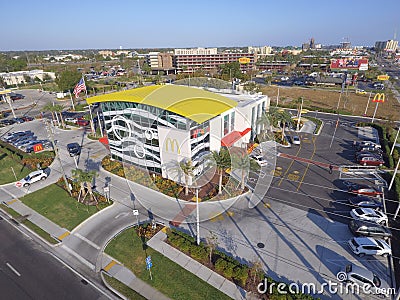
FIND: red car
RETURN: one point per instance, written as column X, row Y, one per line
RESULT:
column 363, row 189
column 82, row 122
column 371, row 161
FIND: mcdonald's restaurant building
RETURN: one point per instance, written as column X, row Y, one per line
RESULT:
column 158, row 126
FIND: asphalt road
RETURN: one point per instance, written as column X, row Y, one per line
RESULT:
column 28, row 271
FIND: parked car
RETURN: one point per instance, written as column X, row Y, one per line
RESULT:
column 32, row 178
column 74, row 149
column 14, row 134
column 23, row 140
column 368, row 246
column 371, row 161
column 365, row 228
column 369, row 214
column 362, row 189
column 6, row 122
column 260, row 160
column 18, row 120
column 360, row 92
column 71, row 120
column 82, row 122
column 296, row 140
column 27, row 118
column 364, row 278
column 15, row 96
column 369, row 153
column 368, row 144
column 369, row 148
column 366, row 202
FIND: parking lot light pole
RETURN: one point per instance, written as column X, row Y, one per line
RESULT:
column 366, row 108
column 395, row 140
column 198, row 216
column 298, row 120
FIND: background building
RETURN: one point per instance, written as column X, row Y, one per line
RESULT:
column 22, row 77
column 389, row 46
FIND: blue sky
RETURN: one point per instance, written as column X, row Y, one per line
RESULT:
column 73, row 24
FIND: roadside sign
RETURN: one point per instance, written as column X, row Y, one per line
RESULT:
column 136, row 213
column 383, row 77
column 379, row 97
column 106, row 189
column 244, row 60
column 37, row 147
column 18, row 184
column 149, row 265
column 148, row 259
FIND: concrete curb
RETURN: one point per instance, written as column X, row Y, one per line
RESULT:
column 110, row 287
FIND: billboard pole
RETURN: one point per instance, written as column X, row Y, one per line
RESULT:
column 366, row 108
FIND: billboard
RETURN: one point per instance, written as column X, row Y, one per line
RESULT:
column 348, row 63
column 383, row 77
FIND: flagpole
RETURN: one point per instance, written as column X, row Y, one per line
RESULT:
column 90, row 108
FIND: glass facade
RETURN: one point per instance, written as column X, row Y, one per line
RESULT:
column 132, row 130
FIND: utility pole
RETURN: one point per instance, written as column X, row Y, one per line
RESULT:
column 298, row 120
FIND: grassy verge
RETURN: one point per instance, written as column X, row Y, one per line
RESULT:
column 55, row 203
column 317, row 122
column 168, row 277
column 123, row 289
column 7, row 165
column 39, row 231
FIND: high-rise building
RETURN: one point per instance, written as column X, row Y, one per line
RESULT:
column 389, row 45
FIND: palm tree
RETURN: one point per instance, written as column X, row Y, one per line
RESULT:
column 241, row 161
column 84, row 178
column 50, row 107
column 282, row 118
column 187, row 169
column 58, row 109
column 222, row 161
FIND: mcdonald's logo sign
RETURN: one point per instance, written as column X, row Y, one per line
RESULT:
column 379, row 97
column 37, row 147
column 172, row 143
column 383, row 77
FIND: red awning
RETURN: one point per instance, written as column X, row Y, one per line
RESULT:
column 233, row 137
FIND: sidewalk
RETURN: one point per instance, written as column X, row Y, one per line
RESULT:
column 110, row 265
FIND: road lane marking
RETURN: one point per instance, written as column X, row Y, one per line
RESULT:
column 110, row 265
column 308, row 164
column 87, row 241
column 290, row 165
column 12, row 269
column 64, row 235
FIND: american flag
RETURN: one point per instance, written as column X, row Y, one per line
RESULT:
column 79, row 87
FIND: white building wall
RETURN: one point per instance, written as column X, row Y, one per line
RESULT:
column 215, row 133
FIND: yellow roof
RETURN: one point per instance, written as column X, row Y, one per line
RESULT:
column 195, row 104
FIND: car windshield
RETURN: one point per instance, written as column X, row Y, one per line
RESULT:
column 27, row 178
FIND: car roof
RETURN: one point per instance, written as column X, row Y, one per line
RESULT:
column 362, row 271
column 36, row 172
column 365, row 241
column 72, row 144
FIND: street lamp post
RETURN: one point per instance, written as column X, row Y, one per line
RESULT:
column 198, row 216
column 366, row 108
column 298, row 120
column 395, row 140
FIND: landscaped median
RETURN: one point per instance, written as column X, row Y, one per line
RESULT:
column 174, row 281
column 167, row 277
column 54, row 203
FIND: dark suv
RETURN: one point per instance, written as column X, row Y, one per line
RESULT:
column 365, row 228
column 74, row 149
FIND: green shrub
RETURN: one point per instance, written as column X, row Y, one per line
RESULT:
column 228, row 271
column 185, row 246
column 220, row 265
column 198, row 253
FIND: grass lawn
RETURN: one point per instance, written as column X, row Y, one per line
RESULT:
column 55, row 204
column 6, row 173
column 168, row 277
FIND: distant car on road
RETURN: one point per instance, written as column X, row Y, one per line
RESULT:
column 360, row 92
column 369, row 214
column 74, row 149
column 14, row 96
column 82, row 122
column 32, row 178
column 71, row 120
